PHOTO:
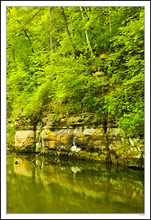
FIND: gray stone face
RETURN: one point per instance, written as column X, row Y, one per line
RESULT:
column 90, row 131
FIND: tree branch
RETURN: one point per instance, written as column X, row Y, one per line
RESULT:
column 67, row 30
column 28, row 39
column 86, row 34
column 27, row 21
column 37, row 156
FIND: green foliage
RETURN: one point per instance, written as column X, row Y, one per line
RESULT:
column 36, row 101
column 126, row 75
column 43, row 69
column 10, row 134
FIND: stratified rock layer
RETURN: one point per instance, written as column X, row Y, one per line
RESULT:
column 93, row 140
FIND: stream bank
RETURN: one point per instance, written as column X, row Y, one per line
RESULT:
column 79, row 137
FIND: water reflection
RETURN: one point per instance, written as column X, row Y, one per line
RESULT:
column 47, row 186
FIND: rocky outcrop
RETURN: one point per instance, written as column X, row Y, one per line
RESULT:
column 82, row 137
column 25, row 140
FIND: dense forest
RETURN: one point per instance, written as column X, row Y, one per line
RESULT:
column 77, row 59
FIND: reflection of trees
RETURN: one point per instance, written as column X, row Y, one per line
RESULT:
column 96, row 182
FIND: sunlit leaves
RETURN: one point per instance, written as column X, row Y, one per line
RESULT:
column 110, row 83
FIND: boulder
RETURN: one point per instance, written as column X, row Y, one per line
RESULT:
column 25, row 140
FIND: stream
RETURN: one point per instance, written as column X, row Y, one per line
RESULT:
column 61, row 185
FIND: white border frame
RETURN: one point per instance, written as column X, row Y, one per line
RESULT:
column 146, row 4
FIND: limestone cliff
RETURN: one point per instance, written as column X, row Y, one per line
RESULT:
column 97, row 142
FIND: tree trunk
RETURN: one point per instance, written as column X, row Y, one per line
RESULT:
column 86, row 34
column 21, row 27
column 51, row 45
column 110, row 21
column 67, row 30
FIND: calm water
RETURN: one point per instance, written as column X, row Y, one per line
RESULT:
column 62, row 186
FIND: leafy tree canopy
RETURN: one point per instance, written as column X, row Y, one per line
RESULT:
column 77, row 59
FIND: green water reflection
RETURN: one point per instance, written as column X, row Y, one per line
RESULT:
column 48, row 186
